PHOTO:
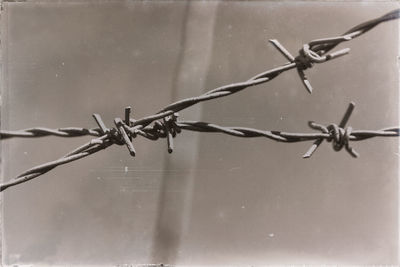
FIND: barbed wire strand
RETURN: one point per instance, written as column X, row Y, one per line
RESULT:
column 170, row 127
column 167, row 126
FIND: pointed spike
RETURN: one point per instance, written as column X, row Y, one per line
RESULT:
column 170, row 139
column 347, row 114
column 352, row 152
column 308, row 85
column 313, row 147
column 305, row 81
column 282, row 49
column 118, row 122
column 128, row 118
column 128, row 115
column 100, row 123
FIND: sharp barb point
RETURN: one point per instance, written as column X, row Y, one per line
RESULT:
column 100, row 123
column 282, row 50
column 118, row 122
column 305, row 81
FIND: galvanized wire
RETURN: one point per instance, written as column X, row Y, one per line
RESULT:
column 164, row 124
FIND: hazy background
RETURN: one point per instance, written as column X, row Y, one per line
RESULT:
column 217, row 199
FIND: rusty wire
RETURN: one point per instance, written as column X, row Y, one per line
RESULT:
column 166, row 125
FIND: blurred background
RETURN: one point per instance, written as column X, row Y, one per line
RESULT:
column 216, row 199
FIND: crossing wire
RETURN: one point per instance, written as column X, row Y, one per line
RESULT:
column 165, row 123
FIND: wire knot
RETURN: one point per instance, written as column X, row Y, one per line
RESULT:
column 307, row 56
column 115, row 136
column 303, row 60
column 168, row 128
column 339, row 136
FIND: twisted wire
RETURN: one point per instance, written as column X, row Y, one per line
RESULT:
column 322, row 46
column 330, row 134
column 42, row 131
column 164, row 124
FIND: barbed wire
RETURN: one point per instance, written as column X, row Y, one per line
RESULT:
column 164, row 124
column 170, row 127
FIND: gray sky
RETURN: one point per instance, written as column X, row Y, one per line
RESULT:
column 217, row 199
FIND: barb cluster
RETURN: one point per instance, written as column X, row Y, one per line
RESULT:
column 164, row 124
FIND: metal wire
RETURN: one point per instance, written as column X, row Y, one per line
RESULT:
column 164, row 124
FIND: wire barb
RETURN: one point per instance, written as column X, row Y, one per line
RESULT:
column 170, row 139
column 307, row 57
column 127, row 139
column 336, row 133
column 100, row 123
